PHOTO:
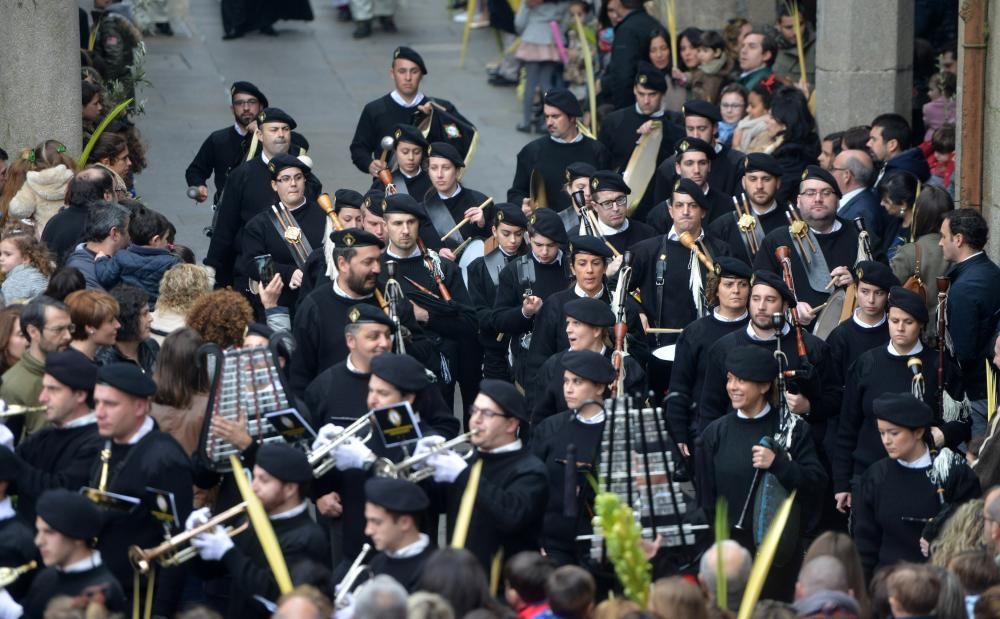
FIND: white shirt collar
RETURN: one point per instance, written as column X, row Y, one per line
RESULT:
column 848, row 197
column 353, row 368
column 919, row 348
column 411, row 550
column 264, row 157
column 398, row 98
column 721, row 318
column 763, row 411
column 580, row 293
column 607, row 230
column 836, row 226
column 759, row 212
column 458, row 190
column 656, row 114
column 970, row 257
column 592, row 421
column 6, row 509
column 673, row 235
column 340, row 292
column 558, row 259
column 79, row 422
column 508, row 448
column 864, row 325
column 407, row 176
column 291, row 513
column 296, row 207
column 578, row 138
column 922, row 462
column 146, row 428
column 240, row 129
column 785, row 328
column 413, row 254
column 88, row 563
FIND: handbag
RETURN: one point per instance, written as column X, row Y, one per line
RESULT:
column 915, row 282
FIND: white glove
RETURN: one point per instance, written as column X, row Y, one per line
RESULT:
column 424, row 447
column 347, row 610
column 352, row 454
column 212, row 545
column 447, row 465
column 6, row 437
column 197, row 518
column 9, row 609
column 325, row 434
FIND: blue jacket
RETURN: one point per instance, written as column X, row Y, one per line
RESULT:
column 866, row 205
column 973, row 310
column 82, row 259
column 138, row 266
column 911, row 160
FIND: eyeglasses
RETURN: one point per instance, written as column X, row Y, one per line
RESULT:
column 287, row 178
column 620, row 202
column 811, row 193
column 70, row 328
column 485, row 412
column 245, row 102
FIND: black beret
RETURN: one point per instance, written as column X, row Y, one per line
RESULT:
column 606, row 180
column 405, row 204
column 697, row 107
column 648, row 76
column 407, row 53
column 354, row 237
column 768, row 278
column 300, row 140
column 590, row 365
column 910, row 302
column 814, row 172
column 564, row 100
column 396, row 495
column 70, row 513
column 248, row 89
column 285, row 462
column 875, row 273
column 903, row 409
column 410, row 135
column 283, row 161
column 547, row 222
column 506, row 396
column 753, row 363
column 590, row 311
column 126, row 377
column 445, row 150
column 374, row 201
column 275, row 115
column 347, row 198
column 691, row 188
column 587, row 244
column 72, row 368
column 257, row 328
column 684, row 145
column 365, row 313
column 727, row 266
column 402, row 371
column 579, row 169
column 761, row 162
column 511, row 214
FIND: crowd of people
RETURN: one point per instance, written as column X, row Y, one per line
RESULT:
column 809, row 318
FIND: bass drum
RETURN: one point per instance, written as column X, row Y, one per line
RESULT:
column 829, row 316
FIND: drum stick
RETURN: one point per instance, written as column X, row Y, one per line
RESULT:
column 819, row 307
column 663, row 330
column 486, row 203
column 830, row 284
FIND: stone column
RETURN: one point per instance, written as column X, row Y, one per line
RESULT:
column 864, row 61
column 40, row 74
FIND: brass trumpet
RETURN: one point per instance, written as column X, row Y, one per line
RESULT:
column 321, row 459
column 9, row 575
column 14, row 410
column 357, row 569
column 177, row 549
column 405, row 469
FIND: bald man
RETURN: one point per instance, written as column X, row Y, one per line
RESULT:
column 736, row 561
column 822, row 588
column 854, row 172
column 991, row 521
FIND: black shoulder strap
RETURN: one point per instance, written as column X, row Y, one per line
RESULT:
column 661, row 270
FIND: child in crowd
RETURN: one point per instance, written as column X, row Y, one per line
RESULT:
column 751, row 132
column 26, row 265
column 143, row 263
column 714, row 67
column 940, row 154
column 525, row 576
column 732, row 106
column 540, row 55
column 570, row 590
column 941, row 108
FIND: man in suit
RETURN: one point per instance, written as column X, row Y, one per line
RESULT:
column 854, row 172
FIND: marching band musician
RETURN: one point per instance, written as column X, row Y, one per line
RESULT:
column 722, row 459
column 139, row 456
column 17, row 546
column 610, row 200
column 888, row 369
column 588, row 260
column 899, row 495
column 266, row 234
column 578, row 175
column 585, row 381
column 691, row 356
column 68, row 525
column 58, row 456
column 348, row 205
column 410, row 174
column 509, row 225
column 831, row 244
column 449, row 202
column 510, row 499
column 586, row 324
column 549, row 155
column 694, row 162
column 760, row 184
column 519, row 298
column 372, row 217
column 281, row 476
column 394, row 515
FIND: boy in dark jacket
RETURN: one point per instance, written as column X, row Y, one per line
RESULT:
column 145, row 260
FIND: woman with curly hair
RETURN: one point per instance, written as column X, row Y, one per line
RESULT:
column 111, row 153
column 26, row 265
column 133, row 344
column 181, row 286
column 12, row 340
column 44, row 190
column 221, row 317
column 95, row 320
column 961, row 532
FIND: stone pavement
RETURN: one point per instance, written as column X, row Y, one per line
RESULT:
column 322, row 77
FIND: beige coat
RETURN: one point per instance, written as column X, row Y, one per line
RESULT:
column 41, row 196
column 932, row 265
